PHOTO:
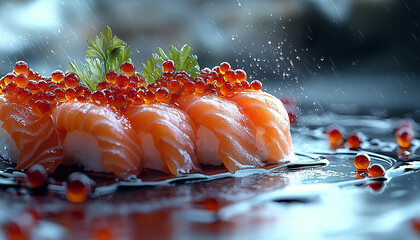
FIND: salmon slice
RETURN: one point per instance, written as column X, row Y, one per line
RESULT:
column 271, row 122
column 233, row 138
column 168, row 130
column 37, row 139
column 98, row 129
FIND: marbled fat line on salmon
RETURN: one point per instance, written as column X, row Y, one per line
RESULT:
column 173, row 135
column 227, row 122
column 268, row 113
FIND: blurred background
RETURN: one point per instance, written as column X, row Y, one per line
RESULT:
column 347, row 56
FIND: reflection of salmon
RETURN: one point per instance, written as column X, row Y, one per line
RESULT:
column 271, row 121
column 37, row 139
column 168, row 130
column 113, row 138
column 233, row 140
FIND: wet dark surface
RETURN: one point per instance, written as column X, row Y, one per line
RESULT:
column 303, row 200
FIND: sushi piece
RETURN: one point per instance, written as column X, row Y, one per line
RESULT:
column 31, row 139
column 167, row 137
column 271, row 122
column 98, row 138
column 224, row 134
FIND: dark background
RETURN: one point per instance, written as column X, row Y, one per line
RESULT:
column 349, row 56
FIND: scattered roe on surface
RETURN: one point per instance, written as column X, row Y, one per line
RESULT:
column 362, row 161
column 334, row 135
column 120, row 90
column 354, row 141
column 79, row 187
column 376, row 170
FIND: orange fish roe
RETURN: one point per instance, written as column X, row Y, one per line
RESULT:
column 119, row 90
column 21, row 67
column 354, row 141
column 127, row 68
column 404, row 136
column 362, row 161
column 37, row 176
column 334, row 135
column 376, row 170
column 79, row 187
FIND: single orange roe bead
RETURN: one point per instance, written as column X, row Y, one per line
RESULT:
column 57, row 76
column 42, row 108
column 71, row 80
column 131, row 93
column 149, row 97
column 173, row 86
column 227, row 89
column 120, row 101
column 168, row 75
column 102, row 85
column 216, row 69
column 353, row 141
column 37, row 176
column 43, row 85
column 80, row 90
column 24, row 95
column 60, row 94
column 10, row 77
column 189, row 87
column 163, row 95
column 70, row 94
column 230, row 76
column 168, row 65
column 241, row 75
column 334, row 135
column 200, row 87
column 21, row 67
column 224, row 66
column 98, row 96
column 211, row 204
column 19, row 228
column 205, row 72
column 49, row 96
column 32, row 75
column 362, row 161
column 22, row 80
column 256, row 85
column 239, row 87
column 376, row 170
column 245, row 85
column 404, row 136
column 79, row 187
column 127, row 68
column 62, row 85
column 32, row 86
column 111, row 76
column 12, row 89
column 152, row 86
column 135, row 78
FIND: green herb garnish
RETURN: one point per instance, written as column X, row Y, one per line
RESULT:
column 184, row 59
column 100, row 60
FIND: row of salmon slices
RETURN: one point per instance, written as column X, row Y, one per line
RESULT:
column 246, row 130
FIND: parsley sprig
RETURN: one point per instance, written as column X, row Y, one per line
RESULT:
column 100, row 60
column 184, row 59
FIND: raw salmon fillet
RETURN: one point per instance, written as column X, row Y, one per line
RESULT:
column 118, row 144
column 37, row 138
column 271, row 123
column 236, row 141
column 172, row 131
